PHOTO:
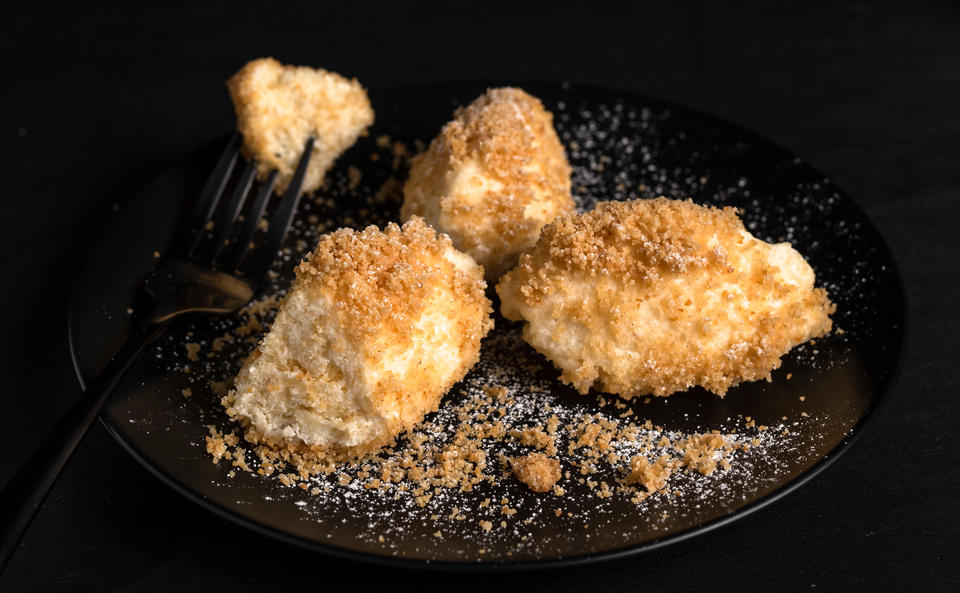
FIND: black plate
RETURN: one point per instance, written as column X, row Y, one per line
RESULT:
column 621, row 146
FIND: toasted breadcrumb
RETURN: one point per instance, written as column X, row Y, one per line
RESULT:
column 493, row 177
column 699, row 452
column 279, row 107
column 216, row 446
column 537, row 471
column 193, row 350
column 652, row 476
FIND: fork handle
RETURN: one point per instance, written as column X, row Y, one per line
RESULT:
column 22, row 496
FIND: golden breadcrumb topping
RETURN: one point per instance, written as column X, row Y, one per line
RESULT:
column 638, row 242
column 279, row 107
column 537, row 471
column 382, row 280
column 652, row 476
column 493, row 177
column 377, row 326
column 699, row 452
column 656, row 296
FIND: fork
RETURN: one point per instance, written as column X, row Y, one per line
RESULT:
column 185, row 282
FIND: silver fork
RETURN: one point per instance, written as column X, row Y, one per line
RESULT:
column 185, row 282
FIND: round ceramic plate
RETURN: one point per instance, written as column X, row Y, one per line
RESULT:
column 621, row 146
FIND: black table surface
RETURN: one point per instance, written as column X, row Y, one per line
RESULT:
column 96, row 99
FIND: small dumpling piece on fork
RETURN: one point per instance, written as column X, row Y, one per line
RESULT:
column 377, row 327
column 492, row 178
column 279, row 107
column 657, row 296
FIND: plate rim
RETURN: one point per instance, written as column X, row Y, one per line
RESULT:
column 879, row 401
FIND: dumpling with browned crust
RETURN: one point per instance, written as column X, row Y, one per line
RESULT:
column 657, row 296
column 376, row 328
column 493, row 177
column 280, row 107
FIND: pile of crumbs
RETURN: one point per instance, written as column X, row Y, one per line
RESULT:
column 490, row 433
column 505, row 452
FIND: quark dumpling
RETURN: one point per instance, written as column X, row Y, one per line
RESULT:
column 377, row 326
column 279, row 107
column 656, row 296
column 493, row 177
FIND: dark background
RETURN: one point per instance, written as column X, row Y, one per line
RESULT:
column 96, row 99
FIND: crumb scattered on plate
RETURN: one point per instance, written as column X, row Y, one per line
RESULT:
column 537, row 471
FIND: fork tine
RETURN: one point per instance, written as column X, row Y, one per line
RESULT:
column 251, row 222
column 232, row 210
column 282, row 218
column 209, row 197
